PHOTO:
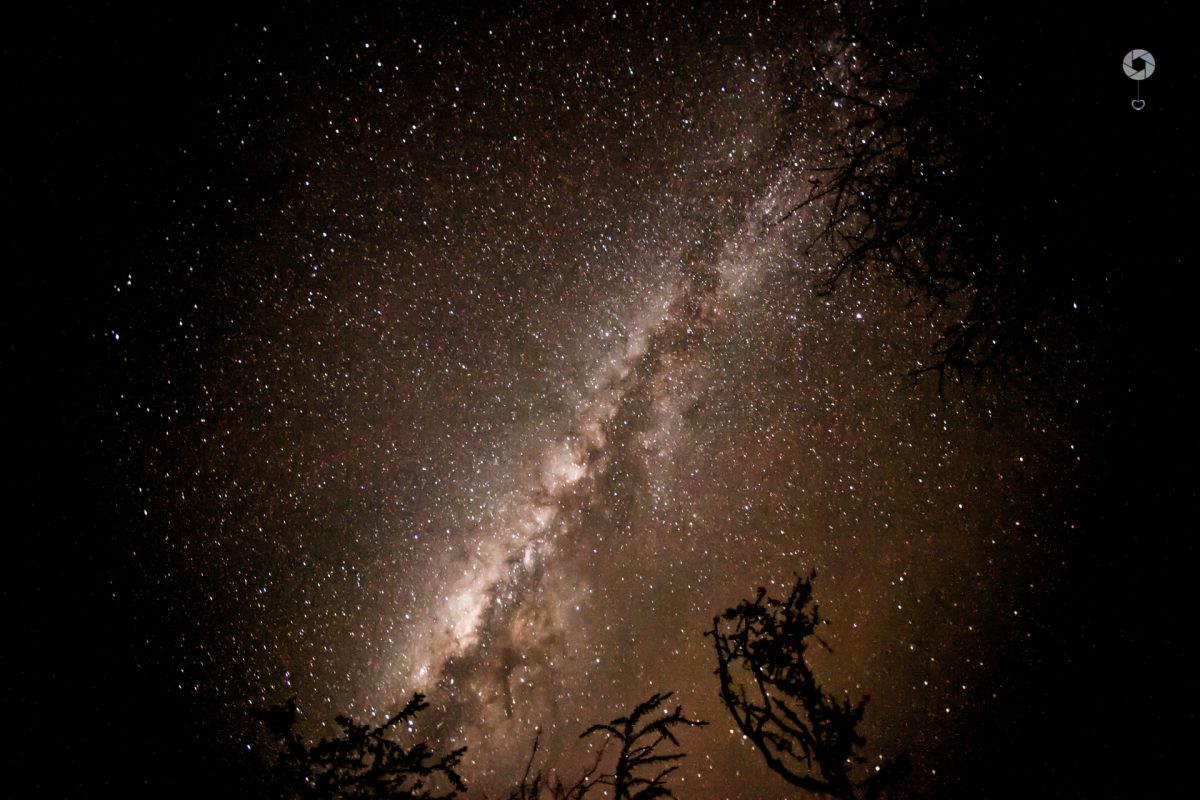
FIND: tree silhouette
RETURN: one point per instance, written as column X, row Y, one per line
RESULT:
column 639, row 743
column 929, row 179
column 808, row 737
column 535, row 785
column 641, row 769
column 532, row 783
column 363, row 761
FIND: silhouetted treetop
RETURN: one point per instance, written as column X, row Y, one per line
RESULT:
column 931, row 179
column 363, row 761
column 639, row 768
column 808, row 737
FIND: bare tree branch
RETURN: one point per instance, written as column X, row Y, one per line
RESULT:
column 641, row 771
column 363, row 761
column 806, row 736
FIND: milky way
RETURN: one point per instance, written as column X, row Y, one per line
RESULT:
column 490, row 374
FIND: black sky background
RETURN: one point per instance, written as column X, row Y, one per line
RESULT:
column 107, row 107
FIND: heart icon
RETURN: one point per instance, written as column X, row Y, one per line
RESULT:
column 1138, row 104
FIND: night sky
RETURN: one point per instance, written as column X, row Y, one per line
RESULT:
column 358, row 354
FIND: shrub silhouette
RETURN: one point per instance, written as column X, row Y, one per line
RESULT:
column 808, row 737
column 641, row 767
column 363, row 761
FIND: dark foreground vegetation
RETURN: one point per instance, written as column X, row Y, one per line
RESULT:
column 808, row 737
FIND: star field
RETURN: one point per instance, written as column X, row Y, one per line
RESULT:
column 469, row 357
